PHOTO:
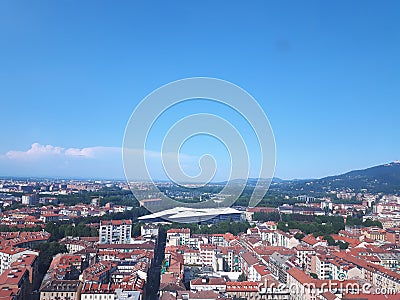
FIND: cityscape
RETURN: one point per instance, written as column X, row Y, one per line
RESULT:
column 199, row 150
column 91, row 239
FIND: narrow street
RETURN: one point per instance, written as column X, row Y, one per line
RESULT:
column 153, row 283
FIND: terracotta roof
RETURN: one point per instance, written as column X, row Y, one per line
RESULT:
column 329, row 296
column 209, row 295
column 261, row 269
column 12, row 276
column 261, row 209
column 179, row 230
column 249, row 258
column 310, row 240
column 146, row 245
column 116, row 222
column 305, row 279
column 209, row 281
column 244, row 286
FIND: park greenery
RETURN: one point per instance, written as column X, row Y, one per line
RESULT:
column 316, row 225
column 351, row 221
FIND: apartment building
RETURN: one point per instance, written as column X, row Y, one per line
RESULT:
column 115, row 232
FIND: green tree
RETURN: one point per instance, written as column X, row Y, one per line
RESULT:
column 343, row 245
column 47, row 251
column 242, row 277
column 330, row 240
column 136, row 229
column 371, row 223
column 351, row 221
column 299, row 236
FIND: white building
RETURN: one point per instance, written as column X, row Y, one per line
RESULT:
column 8, row 255
column 192, row 257
column 29, row 199
column 178, row 237
column 149, row 230
column 115, row 232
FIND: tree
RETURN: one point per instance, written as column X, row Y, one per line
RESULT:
column 263, row 217
column 136, row 229
column 343, row 245
column 47, row 251
column 371, row 223
column 330, row 240
column 299, row 236
column 242, row 277
column 351, row 221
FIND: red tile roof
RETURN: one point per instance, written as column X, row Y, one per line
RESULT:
column 116, row 222
column 244, row 286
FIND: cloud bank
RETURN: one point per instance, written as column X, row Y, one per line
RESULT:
column 54, row 161
column 38, row 151
column 90, row 162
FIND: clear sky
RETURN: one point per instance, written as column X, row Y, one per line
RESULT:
column 327, row 74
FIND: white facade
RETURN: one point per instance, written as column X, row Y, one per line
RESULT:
column 115, row 232
column 30, row 199
column 8, row 257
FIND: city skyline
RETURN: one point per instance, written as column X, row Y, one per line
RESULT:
column 325, row 76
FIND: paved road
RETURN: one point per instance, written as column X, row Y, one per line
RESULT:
column 153, row 283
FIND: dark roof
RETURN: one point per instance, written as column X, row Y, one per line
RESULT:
column 61, row 286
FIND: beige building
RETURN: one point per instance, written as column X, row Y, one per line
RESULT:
column 61, row 290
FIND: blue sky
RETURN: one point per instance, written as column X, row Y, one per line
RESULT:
column 71, row 72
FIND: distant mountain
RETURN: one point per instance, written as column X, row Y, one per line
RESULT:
column 253, row 181
column 378, row 179
column 383, row 178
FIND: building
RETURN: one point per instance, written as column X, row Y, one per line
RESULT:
column 208, row 284
column 250, row 211
column 267, row 289
column 150, row 230
column 305, row 199
column 115, row 232
column 178, row 236
column 9, row 255
column 61, row 290
column 393, row 235
column 303, row 287
column 194, row 215
column 16, row 278
column 99, row 272
column 29, row 199
column 97, row 291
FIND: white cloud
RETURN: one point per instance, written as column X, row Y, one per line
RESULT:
column 38, row 151
column 89, row 162
column 54, row 161
column 35, row 151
